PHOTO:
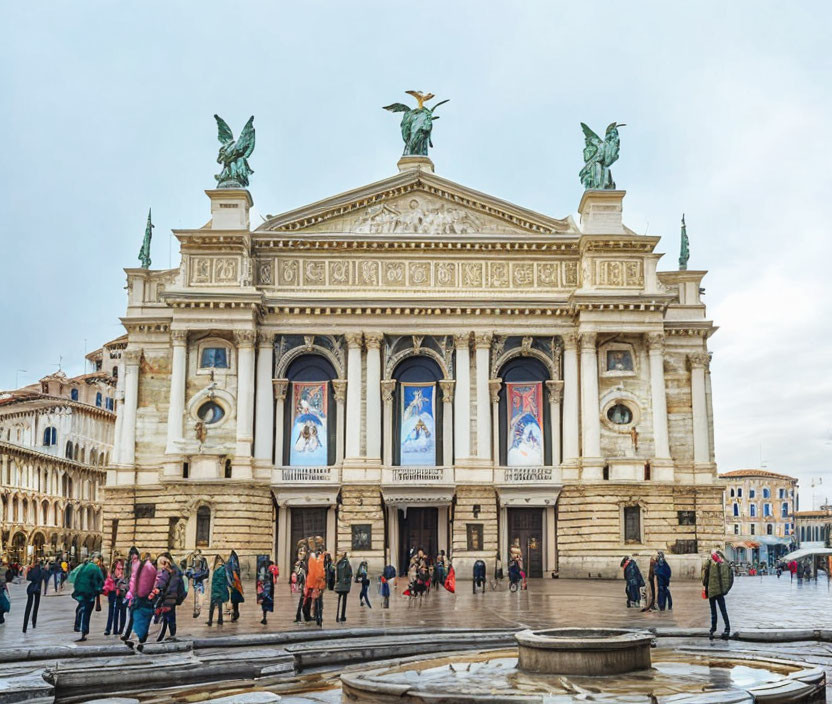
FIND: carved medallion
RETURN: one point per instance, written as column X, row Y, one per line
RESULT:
column 499, row 274
column 523, row 275
column 314, row 273
column 339, row 273
column 201, row 270
column 288, row 272
column 393, row 273
column 225, row 270
column 418, row 273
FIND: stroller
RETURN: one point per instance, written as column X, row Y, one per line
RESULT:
column 516, row 578
column 479, row 576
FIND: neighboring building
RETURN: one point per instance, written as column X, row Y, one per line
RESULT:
column 56, row 437
column 813, row 529
column 417, row 364
column 759, row 514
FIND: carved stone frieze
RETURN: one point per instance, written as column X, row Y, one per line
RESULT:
column 265, row 277
column 619, row 273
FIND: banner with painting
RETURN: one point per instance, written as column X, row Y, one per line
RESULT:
column 309, row 446
column 418, row 426
column 524, row 402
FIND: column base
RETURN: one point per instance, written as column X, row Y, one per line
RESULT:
column 592, row 469
column 241, row 468
column 662, row 469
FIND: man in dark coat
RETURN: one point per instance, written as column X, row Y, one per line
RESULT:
column 343, row 582
column 633, row 581
column 663, row 573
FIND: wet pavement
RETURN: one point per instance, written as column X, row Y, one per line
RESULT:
column 754, row 602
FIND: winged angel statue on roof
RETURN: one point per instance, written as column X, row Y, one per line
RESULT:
column 417, row 123
column 234, row 155
column 599, row 155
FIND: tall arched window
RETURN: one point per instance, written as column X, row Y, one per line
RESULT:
column 69, row 449
column 203, row 527
column 417, row 419
column 310, row 420
column 73, row 394
column 50, row 436
column 525, row 428
column 98, row 399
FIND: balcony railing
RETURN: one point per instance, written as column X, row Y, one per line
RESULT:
column 417, row 475
column 305, row 475
column 524, row 475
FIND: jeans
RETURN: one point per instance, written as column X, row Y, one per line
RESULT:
column 665, row 598
column 82, row 614
column 364, row 597
column 55, row 576
column 32, row 600
column 116, row 613
column 218, row 606
column 168, row 623
column 142, row 613
column 714, row 600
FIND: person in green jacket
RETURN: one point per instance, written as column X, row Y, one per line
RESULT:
column 219, row 590
column 343, row 583
column 88, row 584
column 717, row 579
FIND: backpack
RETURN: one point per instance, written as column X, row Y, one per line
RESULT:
column 181, row 589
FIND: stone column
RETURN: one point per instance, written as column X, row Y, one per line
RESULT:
column 132, row 357
column 331, row 530
column 447, row 386
column 339, row 389
column 373, row 391
column 283, row 548
column 393, row 536
column 590, row 417
column 494, row 386
column 462, row 405
column 482, row 346
column 279, row 387
column 388, row 387
column 658, row 395
column 178, row 374
column 555, row 388
column 245, row 391
column 353, row 444
column 571, row 447
column 264, row 399
column 699, row 361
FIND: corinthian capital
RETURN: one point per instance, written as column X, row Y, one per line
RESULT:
column 265, row 338
column 132, row 357
column 179, row 337
column 482, row 339
column 354, row 339
column 555, row 390
column 372, row 340
column 388, row 386
column 699, row 359
column 339, row 389
column 655, row 342
column 245, row 338
column 462, row 340
column 447, row 386
column 588, row 341
column 570, row 340
column 279, row 386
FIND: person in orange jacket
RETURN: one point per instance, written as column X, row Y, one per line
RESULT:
column 315, row 586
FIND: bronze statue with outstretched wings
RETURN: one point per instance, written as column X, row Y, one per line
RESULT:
column 234, row 155
column 599, row 155
column 417, row 123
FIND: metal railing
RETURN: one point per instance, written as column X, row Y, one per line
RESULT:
column 522, row 475
column 307, row 475
column 417, row 475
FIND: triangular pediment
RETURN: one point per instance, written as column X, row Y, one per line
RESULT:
column 416, row 202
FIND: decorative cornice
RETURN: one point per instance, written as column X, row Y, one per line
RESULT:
column 447, row 387
column 279, row 387
column 555, row 388
column 344, row 242
column 339, row 390
column 245, row 338
column 544, row 310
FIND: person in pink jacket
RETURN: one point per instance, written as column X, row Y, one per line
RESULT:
column 142, row 583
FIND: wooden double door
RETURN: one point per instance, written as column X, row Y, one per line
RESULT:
column 525, row 527
column 306, row 523
column 418, row 528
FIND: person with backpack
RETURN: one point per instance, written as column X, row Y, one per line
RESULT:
column 168, row 593
column 717, row 580
column 363, row 578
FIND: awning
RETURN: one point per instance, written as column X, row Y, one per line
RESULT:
column 807, row 552
column 750, row 544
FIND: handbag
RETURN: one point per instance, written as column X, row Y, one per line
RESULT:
column 704, row 593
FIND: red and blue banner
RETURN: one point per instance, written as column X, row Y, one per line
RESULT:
column 524, row 438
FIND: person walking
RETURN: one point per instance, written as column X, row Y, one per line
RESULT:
column 167, row 594
column 55, row 573
column 387, row 576
column 235, row 584
column 219, row 591
column 633, row 581
column 267, row 573
column 131, row 564
column 114, row 590
column 5, row 594
column 717, row 579
column 34, row 576
column 362, row 577
column 88, row 584
column 315, row 586
column 44, row 575
column 663, row 574
column 142, row 583
column 651, row 582
column 343, row 584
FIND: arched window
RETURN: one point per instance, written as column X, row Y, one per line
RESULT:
column 115, row 372
column 766, row 509
column 766, row 492
column 50, row 436
column 769, row 529
column 68, row 517
column 310, row 420
column 732, row 491
column 203, row 527
column 69, row 450
column 525, row 428
column 73, row 394
column 417, row 418
column 98, row 399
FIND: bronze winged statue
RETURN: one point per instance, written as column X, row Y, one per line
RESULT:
column 599, row 155
column 417, row 123
column 234, row 155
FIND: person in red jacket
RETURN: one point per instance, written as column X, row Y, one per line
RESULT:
column 792, row 569
column 315, row 586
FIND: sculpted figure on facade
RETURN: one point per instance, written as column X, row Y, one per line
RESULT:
column 417, row 218
column 599, row 156
column 417, row 123
column 233, row 155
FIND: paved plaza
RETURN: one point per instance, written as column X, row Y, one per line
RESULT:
column 754, row 602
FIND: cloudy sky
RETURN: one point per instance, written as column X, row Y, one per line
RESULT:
column 106, row 109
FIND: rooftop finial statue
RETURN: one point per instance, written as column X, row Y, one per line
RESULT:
column 417, row 123
column 144, row 252
column 684, row 250
column 599, row 155
column 234, row 155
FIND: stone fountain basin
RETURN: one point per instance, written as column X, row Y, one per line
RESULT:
column 583, row 651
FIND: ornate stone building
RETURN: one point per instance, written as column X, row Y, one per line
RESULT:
column 416, row 364
column 56, row 437
column 759, row 514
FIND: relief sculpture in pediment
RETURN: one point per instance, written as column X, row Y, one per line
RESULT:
column 416, row 217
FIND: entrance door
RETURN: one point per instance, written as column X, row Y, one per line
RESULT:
column 525, row 527
column 419, row 528
column 306, row 523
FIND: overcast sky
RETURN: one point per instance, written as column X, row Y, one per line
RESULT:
column 106, row 109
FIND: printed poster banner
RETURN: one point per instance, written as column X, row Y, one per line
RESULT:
column 525, row 424
column 418, row 426
column 309, row 430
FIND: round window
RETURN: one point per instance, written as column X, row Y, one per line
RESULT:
column 210, row 412
column 620, row 414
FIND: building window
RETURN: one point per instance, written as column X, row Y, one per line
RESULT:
column 98, row 399
column 186, row 470
column 227, row 469
column 769, row 529
column 214, row 358
column 736, row 509
column 752, row 510
column 145, row 511
column 686, row 518
column 785, row 529
column 784, row 509
column 109, row 404
column 752, row 493
column 210, row 412
column 736, row 529
column 203, row 527
column 73, row 394
column 766, row 509
column 417, row 423
column 50, row 436
column 753, row 529
column 781, row 493
column 739, row 492
column 732, row 492
column 115, row 372
column 620, row 414
column 766, row 493
column 632, row 524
